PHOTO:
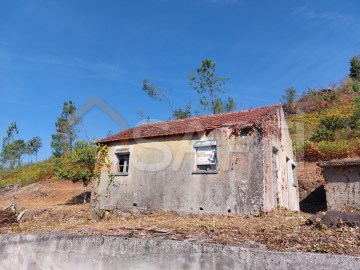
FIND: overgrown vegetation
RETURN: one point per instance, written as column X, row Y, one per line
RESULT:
column 327, row 121
column 79, row 165
column 288, row 100
column 27, row 174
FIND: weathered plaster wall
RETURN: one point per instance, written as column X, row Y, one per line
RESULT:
column 289, row 184
column 105, row 252
column 342, row 186
column 280, row 181
column 161, row 176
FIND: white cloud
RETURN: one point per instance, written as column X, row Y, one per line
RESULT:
column 66, row 65
column 330, row 19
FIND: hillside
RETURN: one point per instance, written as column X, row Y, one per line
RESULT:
column 324, row 124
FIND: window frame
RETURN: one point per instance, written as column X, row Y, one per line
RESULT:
column 290, row 171
column 206, row 144
column 125, row 153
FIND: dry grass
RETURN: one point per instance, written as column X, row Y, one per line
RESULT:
column 277, row 230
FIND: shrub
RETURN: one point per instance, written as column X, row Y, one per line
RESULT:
column 325, row 131
column 79, row 165
column 356, row 86
column 357, row 149
column 326, row 150
column 347, row 133
column 288, row 100
column 355, row 118
column 322, row 134
column 311, row 154
column 335, row 150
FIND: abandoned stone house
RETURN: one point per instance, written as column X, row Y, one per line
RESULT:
column 238, row 162
column 342, row 179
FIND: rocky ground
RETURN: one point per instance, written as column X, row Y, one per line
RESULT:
column 56, row 206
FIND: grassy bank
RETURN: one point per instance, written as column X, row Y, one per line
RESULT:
column 27, row 174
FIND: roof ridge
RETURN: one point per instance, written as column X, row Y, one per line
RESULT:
column 206, row 121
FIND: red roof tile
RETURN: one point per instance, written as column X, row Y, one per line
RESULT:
column 195, row 124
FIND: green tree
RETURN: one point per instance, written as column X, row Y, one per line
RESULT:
column 355, row 68
column 66, row 130
column 210, row 87
column 12, row 150
column 158, row 94
column 33, row 146
column 225, row 106
column 288, row 100
column 11, row 131
column 79, row 165
column 182, row 113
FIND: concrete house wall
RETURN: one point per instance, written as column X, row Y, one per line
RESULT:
column 162, row 172
column 161, row 176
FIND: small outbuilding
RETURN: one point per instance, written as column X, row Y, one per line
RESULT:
column 342, row 183
column 239, row 162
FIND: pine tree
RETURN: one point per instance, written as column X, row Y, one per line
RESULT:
column 210, row 87
column 66, row 130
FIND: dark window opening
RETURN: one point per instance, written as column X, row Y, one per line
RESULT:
column 245, row 132
column 123, row 163
column 206, row 167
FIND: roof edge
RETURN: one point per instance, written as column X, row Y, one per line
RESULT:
column 112, row 138
column 338, row 163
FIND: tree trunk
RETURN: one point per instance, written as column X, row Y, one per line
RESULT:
column 85, row 190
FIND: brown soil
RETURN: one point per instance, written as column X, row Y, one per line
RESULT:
column 56, row 206
column 311, row 187
column 7, row 218
column 310, row 177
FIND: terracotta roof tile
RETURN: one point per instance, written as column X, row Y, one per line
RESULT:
column 191, row 125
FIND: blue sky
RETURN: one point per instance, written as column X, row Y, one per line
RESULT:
column 91, row 51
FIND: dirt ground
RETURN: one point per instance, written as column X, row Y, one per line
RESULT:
column 311, row 187
column 56, row 206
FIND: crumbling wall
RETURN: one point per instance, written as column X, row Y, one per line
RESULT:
column 342, row 186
